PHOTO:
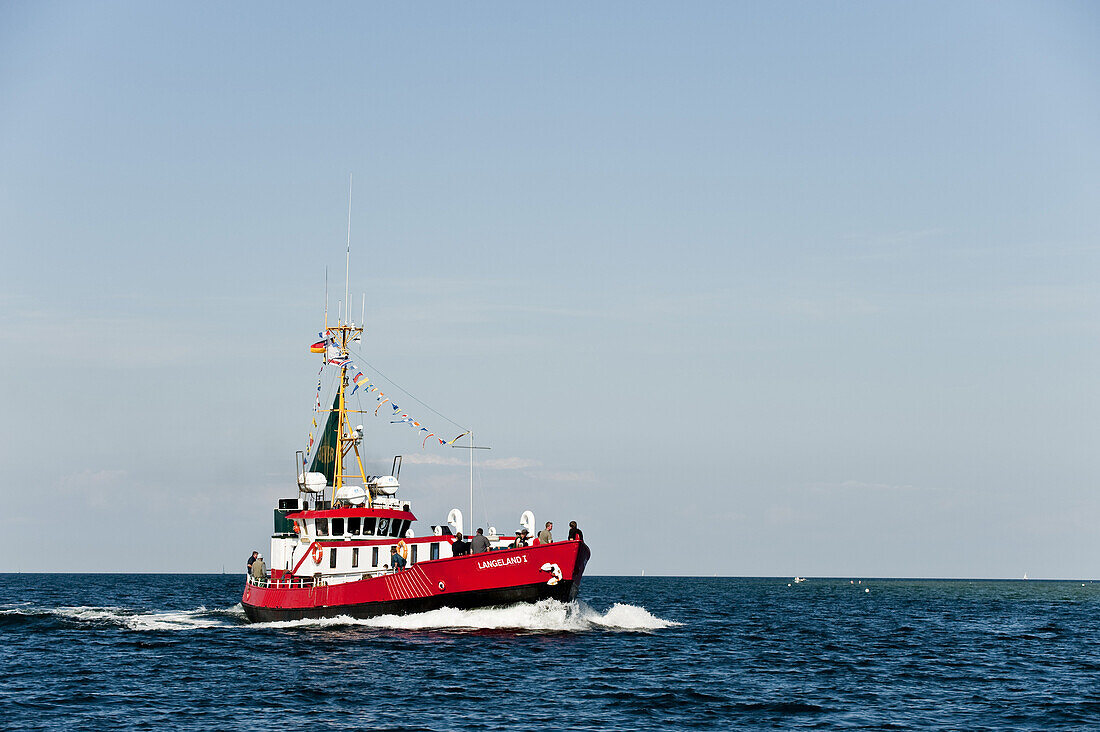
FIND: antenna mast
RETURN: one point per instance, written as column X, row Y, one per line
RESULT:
column 347, row 261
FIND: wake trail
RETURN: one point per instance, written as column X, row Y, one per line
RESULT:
column 547, row 616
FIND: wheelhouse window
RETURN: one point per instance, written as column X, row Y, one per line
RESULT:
column 368, row 526
column 383, row 527
column 338, row 527
column 354, row 557
column 332, row 558
column 353, row 525
column 395, row 527
column 322, row 526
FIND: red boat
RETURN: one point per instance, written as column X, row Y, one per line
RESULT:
column 355, row 553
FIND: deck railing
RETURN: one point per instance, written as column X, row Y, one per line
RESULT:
column 288, row 583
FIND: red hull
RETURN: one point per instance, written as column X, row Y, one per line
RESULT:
column 478, row 580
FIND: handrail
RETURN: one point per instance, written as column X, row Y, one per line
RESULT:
column 298, row 582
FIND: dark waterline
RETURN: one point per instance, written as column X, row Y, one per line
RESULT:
column 173, row 651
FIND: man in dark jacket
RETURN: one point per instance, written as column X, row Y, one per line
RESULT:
column 479, row 543
column 396, row 560
column 574, row 532
column 460, row 547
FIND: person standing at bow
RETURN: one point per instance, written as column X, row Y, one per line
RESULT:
column 479, row 543
column 545, row 537
column 259, row 571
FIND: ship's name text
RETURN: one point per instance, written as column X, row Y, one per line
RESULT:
column 494, row 563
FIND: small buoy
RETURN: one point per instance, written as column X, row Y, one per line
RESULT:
column 866, row 590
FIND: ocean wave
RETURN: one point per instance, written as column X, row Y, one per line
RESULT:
column 547, row 616
column 95, row 615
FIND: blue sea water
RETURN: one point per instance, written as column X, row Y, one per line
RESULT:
column 90, row 652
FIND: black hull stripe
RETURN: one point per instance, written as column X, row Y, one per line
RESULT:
column 564, row 591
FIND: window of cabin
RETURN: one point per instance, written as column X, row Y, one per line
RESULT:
column 354, row 557
column 332, row 559
column 434, row 552
column 322, row 526
column 353, row 525
column 368, row 527
column 374, row 557
column 412, row 555
column 383, row 526
column 395, row 526
column 338, row 527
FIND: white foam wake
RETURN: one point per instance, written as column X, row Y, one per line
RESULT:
column 547, row 616
column 200, row 617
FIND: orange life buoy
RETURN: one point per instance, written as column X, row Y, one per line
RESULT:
column 403, row 549
column 297, row 528
column 318, row 553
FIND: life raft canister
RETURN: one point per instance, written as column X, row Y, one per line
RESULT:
column 317, row 552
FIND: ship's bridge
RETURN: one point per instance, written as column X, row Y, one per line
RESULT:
column 351, row 523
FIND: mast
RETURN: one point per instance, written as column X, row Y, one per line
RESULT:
column 345, row 440
column 473, row 521
column 338, row 476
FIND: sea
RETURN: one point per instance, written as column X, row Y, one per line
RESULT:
column 143, row 652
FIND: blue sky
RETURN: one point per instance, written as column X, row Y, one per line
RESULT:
column 753, row 289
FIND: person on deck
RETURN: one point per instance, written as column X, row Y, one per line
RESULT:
column 460, row 547
column 574, row 532
column 396, row 559
column 259, row 571
column 479, row 543
column 545, row 537
column 251, row 560
column 521, row 539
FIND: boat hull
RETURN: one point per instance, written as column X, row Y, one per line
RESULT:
column 481, row 580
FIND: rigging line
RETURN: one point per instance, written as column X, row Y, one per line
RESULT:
column 405, row 392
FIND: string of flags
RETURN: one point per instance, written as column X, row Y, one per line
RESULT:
column 316, row 411
column 334, row 357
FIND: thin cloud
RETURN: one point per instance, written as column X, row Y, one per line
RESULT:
column 563, row 476
column 859, row 485
column 508, row 463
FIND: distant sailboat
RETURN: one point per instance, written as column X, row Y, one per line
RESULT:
column 1025, row 575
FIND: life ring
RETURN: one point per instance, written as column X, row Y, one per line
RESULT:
column 318, row 553
column 297, row 528
column 403, row 549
